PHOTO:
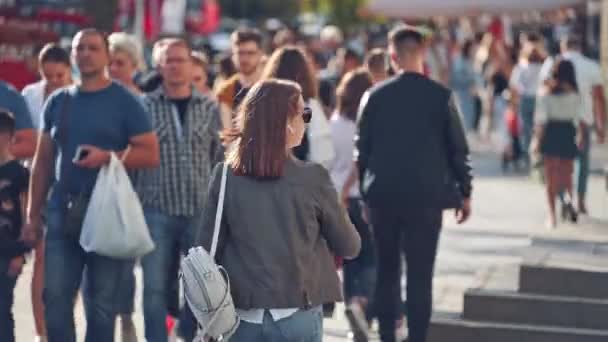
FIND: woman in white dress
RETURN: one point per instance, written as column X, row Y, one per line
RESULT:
column 55, row 73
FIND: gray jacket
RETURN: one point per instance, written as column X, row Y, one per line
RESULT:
column 278, row 237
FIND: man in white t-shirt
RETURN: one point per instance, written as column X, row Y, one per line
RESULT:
column 590, row 86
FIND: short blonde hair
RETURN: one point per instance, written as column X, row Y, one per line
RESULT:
column 123, row 42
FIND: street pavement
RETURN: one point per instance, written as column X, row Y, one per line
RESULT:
column 508, row 212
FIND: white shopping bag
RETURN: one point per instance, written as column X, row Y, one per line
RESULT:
column 114, row 225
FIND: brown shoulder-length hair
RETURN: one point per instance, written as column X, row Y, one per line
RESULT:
column 350, row 91
column 260, row 149
column 290, row 63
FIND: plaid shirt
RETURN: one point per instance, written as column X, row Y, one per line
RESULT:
column 188, row 152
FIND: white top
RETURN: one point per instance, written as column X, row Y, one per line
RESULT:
column 319, row 136
column 552, row 107
column 173, row 13
column 588, row 75
column 256, row 316
column 343, row 136
column 525, row 78
column 34, row 97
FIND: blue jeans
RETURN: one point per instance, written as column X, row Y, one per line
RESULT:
column 167, row 232
column 360, row 273
column 67, row 264
column 526, row 114
column 582, row 164
column 303, row 326
column 7, row 288
column 126, row 302
column 581, row 173
column 466, row 103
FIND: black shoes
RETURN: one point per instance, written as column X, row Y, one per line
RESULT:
column 569, row 213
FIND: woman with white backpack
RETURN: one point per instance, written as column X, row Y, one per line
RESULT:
column 280, row 222
column 290, row 63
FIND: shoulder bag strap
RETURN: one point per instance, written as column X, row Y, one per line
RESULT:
column 62, row 132
column 62, row 124
column 219, row 211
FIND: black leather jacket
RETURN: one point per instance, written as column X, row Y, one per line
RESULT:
column 411, row 148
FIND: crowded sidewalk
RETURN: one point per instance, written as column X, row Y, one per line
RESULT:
column 496, row 235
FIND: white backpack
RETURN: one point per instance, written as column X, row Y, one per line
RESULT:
column 207, row 286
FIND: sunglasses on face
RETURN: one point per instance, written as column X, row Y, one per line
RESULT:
column 307, row 115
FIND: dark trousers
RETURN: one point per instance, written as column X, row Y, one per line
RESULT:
column 415, row 232
column 360, row 273
column 7, row 287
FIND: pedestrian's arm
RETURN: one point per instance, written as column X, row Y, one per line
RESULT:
column 226, row 115
column 144, row 152
column 599, row 109
column 540, row 120
column 336, row 227
column 22, row 247
column 40, row 181
column 580, row 137
column 458, row 150
column 348, row 184
column 363, row 141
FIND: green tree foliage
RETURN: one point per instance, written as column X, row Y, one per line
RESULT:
column 344, row 13
column 259, row 9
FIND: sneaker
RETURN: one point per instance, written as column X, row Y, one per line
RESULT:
column 357, row 321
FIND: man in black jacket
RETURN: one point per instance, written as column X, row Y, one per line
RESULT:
column 413, row 162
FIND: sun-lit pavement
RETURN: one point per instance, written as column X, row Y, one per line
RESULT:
column 508, row 211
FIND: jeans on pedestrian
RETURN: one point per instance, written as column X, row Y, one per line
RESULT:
column 360, row 273
column 302, row 326
column 7, row 288
column 126, row 301
column 415, row 232
column 582, row 164
column 499, row 128
column 527, row 106
column 68, row 265
column 466, row 104
column 167, row 232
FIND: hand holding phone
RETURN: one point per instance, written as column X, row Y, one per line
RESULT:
column 80, row 154
column 91, row 157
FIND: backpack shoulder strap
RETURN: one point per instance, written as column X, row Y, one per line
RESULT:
column 219, row 212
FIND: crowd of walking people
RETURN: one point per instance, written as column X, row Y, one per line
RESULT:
column 337, row 159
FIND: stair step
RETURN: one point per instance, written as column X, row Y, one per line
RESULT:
column 534, row 309
column 458, row 330
column 563, row 281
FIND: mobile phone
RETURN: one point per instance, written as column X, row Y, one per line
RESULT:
column 80, row 154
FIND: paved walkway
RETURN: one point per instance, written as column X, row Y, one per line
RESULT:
column 509, row 212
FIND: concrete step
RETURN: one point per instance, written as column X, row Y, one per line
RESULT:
column 564, row 281
column 458, row 330
column 533, row 309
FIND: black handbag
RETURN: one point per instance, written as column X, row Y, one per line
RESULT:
column 75, row 206
column 75, row 211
